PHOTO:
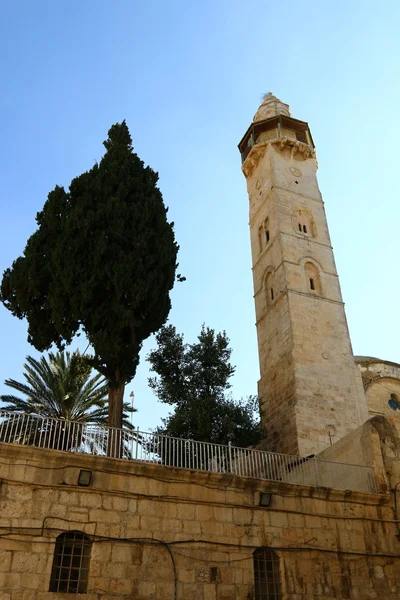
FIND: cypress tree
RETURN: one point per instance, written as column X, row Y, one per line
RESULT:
column 102, row 261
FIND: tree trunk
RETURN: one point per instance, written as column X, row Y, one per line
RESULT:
column 115, row 411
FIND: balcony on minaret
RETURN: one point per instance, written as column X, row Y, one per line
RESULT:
column 273, row 122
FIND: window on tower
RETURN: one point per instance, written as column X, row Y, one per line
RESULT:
column 260, row 238
column 272, row 293
column 303, row 222
column 313, row 277
column 266, row 230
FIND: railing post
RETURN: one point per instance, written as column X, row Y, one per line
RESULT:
column 316, row 471
column 137, row 442
column 230, row 457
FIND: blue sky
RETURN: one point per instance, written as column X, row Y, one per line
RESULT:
column 188, row 78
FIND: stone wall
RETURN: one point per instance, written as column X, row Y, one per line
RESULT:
column 381, row 381
column 310, row 388
column 168, row 534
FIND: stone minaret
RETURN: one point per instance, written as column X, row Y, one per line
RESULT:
column 310, row 389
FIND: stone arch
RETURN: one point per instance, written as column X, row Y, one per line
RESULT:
column 268, row 285
column 313, row 277
column 263, row 235
column 303, row 222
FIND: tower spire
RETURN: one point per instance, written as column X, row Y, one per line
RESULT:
column 271, row 106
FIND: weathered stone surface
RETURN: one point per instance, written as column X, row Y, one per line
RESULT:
column 211, row 537
column 305, row 354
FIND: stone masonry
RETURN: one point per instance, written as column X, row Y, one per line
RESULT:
column 161, row 533
column 310, row 389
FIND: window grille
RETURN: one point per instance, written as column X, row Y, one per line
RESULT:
column 266, row 575
column 71, row 563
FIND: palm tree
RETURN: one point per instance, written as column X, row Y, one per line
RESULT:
column 58, row 387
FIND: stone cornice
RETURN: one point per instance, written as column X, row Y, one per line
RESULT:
column 282, row 143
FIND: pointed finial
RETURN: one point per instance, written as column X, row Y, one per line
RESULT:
column 266, row 96
column 271, row 106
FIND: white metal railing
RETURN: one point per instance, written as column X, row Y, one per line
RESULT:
column 73, row 436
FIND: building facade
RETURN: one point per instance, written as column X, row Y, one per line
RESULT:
column 150, row 532
column 319, row 521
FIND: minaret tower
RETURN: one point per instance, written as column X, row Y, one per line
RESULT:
column 310, row 389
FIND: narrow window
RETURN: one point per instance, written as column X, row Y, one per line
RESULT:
column 305, row 228
column 70, row 570
column 260, row 238
column 299, row 226
column 266, row 575
column 272, row 293
column 267, row 236
column 313, row 279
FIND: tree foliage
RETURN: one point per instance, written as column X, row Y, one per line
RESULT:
column 60, row 390
column 194, row 378
column 102, row 260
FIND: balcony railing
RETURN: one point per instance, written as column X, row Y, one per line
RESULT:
column 72, row 436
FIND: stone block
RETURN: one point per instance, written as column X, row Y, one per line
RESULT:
column 204, row 513
column 69, row 497
column 58, row 510
column 187, row 575
column 5, row 561
column 191, row 527
column 121, row 553
column 186, row 511
column 120, row 504
column 226, row 592
column 34, row 581
column 171, row 525
column 29, row 562
column 121, row 586
column 210, row 591
column 90, row 500
column 103, row 516
column 101, row 551
column 10, row 581
column 164, row 590
column 132, row 506
column 146, row 589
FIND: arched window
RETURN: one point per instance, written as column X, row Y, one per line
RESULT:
column 70, row 570
column 266, row 575
column 394, row 402
column 313, row 278
column 269, row 290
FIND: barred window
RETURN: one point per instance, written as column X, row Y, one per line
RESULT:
column 71, row 563
column 266, row 575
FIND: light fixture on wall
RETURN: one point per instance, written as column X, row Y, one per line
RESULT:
column 265, row 499
column 85, row 477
